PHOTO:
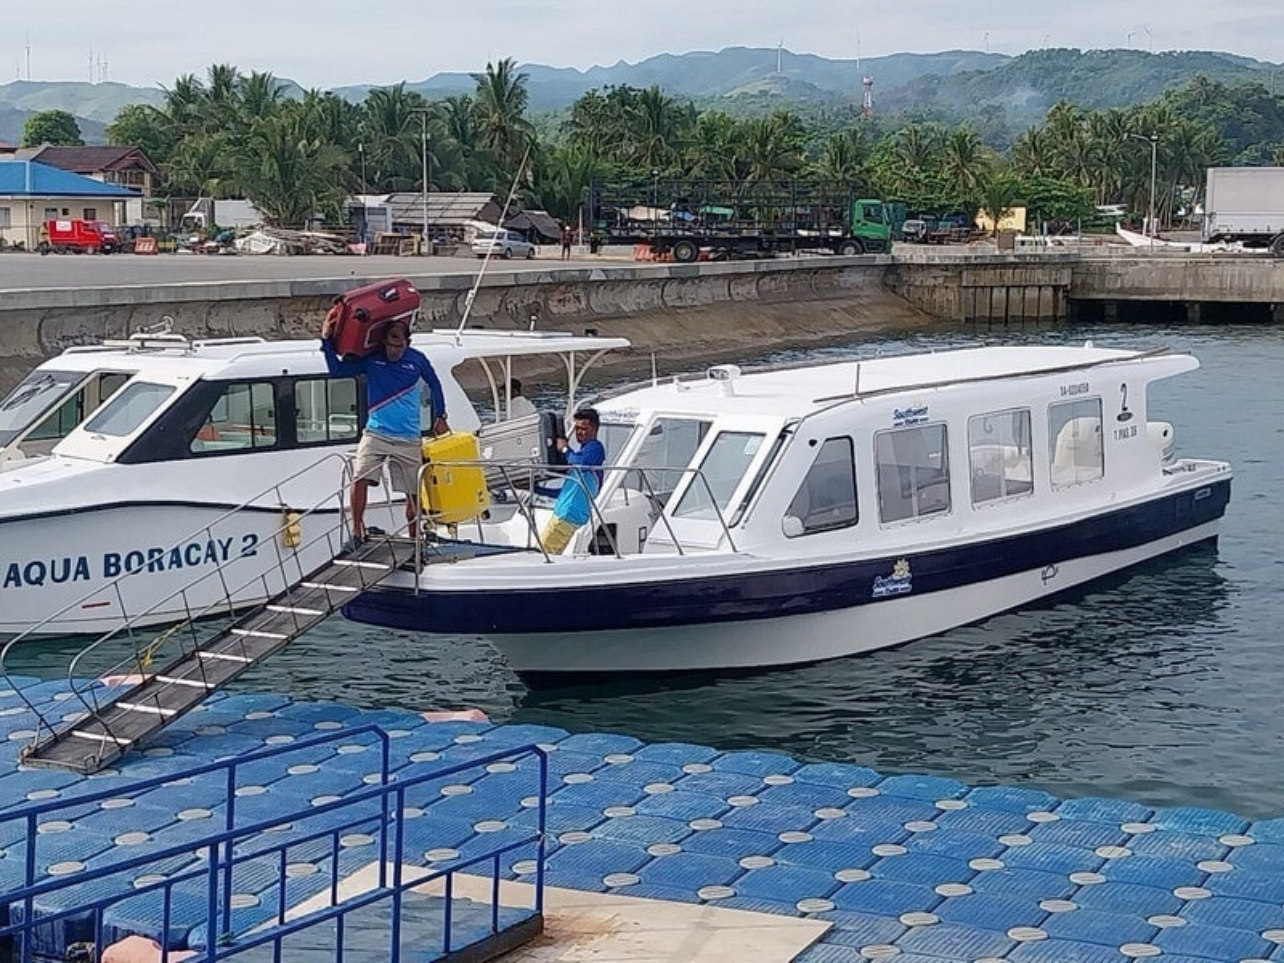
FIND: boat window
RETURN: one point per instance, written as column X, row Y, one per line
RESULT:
column 129, row 408
column 30, row 398
column 1000, row 455
column 913, row 469
column 669, row 446
column 723, row 468
column 325, row 410
column 1074, row 430
column 826, row 500
column 243, row 418
column 59, row 423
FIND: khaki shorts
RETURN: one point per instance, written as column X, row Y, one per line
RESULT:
column 404, row 458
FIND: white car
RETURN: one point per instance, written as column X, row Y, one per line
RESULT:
column 505, row 244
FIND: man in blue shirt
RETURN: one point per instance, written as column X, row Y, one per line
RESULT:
column 392, row 434
column 572, row 508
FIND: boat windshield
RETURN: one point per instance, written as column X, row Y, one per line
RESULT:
column 128, row 409
column 35, row 395
column 723, row 468
column 666, row 450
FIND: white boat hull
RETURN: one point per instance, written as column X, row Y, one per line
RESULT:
column 816, row 636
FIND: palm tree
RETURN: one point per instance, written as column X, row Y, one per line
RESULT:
column 259, row 94
column 716, row 150
column 390, row 132
column 658, row 129
column 843, row 156
column 289, row 176
column 1032, row 152
column 965, row 165
column 773, row 148
column 501, row 105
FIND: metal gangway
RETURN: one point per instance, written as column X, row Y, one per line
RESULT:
column 170, row 672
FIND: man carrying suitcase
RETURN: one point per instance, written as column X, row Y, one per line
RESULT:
column 392, row 433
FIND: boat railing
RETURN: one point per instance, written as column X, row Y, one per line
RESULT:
column 144, row 651
column 520, row 478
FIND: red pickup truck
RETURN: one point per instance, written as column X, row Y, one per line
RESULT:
column 77, row 236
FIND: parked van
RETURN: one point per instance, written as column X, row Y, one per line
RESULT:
column 76, row 236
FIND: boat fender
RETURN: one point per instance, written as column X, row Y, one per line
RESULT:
column 291, row 529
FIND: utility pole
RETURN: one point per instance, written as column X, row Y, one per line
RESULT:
column 423, row 152
column 1153, row 140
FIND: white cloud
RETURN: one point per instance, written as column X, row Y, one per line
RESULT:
column 329, row 43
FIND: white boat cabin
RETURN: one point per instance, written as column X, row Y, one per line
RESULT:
column 888, row 450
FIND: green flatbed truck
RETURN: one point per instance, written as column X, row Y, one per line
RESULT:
column 686, row 220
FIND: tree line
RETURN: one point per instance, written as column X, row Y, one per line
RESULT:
column 233, row 134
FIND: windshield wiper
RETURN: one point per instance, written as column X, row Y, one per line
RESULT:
column 31, row 391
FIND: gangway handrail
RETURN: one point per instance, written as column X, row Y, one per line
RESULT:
column 223, row 857
column 127, row 623
column 191, row 618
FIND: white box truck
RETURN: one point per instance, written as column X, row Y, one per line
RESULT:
column 1245, row 204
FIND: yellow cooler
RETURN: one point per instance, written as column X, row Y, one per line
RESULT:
column 453, row 493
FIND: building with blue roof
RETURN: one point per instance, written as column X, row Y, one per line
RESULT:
column 32, row 193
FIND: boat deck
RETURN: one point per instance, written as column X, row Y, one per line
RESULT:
column 920, row 868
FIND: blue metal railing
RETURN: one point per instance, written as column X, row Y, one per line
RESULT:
column 222, row 858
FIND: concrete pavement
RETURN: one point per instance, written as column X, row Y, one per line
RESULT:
column 64, row 272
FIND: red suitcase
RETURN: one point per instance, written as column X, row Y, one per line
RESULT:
column 362, row 313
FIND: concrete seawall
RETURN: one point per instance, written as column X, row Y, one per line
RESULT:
column 675, row 311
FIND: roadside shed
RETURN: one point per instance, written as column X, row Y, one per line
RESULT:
column 540, row 227
column 447, row 214
column 32, row 193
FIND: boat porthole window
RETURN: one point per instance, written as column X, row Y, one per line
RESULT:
column 826, row 499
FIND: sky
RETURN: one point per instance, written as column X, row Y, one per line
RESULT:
column 330, row 43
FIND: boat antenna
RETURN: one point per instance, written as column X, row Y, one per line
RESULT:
column 856, row 387
column 490, row 248
column 655, row 378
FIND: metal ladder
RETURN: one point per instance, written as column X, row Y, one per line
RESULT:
column 134, row 699
column 132, row 715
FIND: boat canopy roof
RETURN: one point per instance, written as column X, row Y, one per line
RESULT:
column 250, row 357
column 803, row 390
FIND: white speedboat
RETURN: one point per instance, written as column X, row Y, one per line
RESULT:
column 148, row 480
column 798, row 515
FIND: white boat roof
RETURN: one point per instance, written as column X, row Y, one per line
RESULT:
column 798, row 391
column 255, row 357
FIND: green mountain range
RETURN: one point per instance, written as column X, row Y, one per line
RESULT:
column 956, row 84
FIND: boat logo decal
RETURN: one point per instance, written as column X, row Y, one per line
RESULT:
column 1049, row 573
column 898, row 583
column 35, row 573
column 914, row 415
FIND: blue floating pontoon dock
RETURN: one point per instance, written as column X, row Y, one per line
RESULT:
column 921, row 869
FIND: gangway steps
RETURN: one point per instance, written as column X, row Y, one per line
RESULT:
column 161, row 697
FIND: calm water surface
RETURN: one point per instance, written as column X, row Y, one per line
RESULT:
column 1161, row 686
